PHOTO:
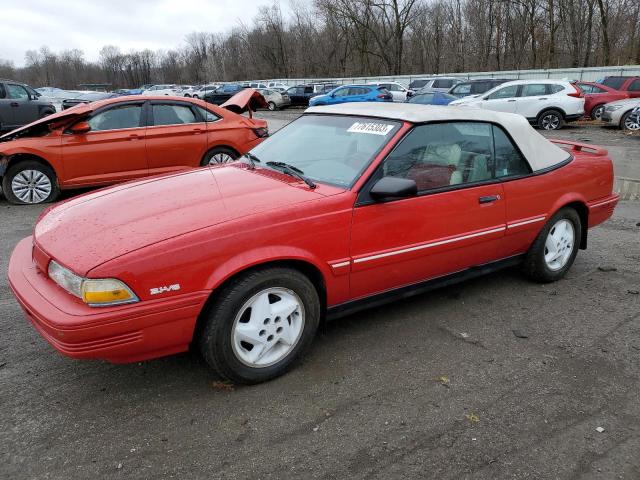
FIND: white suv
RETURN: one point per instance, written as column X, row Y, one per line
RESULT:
column 545, row 103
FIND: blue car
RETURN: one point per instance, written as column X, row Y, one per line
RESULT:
column 353, row 93
column 432, row 98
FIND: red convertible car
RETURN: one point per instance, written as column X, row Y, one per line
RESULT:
column 347, row 207
column 124, row 138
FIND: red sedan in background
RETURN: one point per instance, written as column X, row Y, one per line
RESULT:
column 596, row 96
column 124, row 138
column 349, row 206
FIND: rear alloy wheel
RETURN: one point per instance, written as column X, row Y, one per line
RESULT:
column 272, row 106
column 596, row 112
column 219, row 155
column 630, row 122
column 550, row 120
column 555, row 248
column 29, row 183
column 260, row 324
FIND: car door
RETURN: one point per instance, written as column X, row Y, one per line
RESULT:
column 23, row 109
column 6, row 111
column 634, row 89
column 176, row 136
column 456, row 221
column 341, row 95
column 533, row 99
column 112, row 151
column 502, row 100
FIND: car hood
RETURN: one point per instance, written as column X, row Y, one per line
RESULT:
column 55, row 119
column 248, row 99
column 627, row 102
column 89, row 230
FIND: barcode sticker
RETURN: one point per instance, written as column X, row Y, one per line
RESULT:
column 372, row 128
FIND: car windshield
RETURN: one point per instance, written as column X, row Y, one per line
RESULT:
column 328, row 149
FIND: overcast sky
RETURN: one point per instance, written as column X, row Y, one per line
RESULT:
column 128, row 24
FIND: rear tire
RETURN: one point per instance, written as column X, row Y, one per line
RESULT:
column 555, row 248
column 29, row 183
column 219, row 155
column 248, row 314
column 550, row 120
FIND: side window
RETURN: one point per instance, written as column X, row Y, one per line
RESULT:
column 586, row 88
column 479, row 87
column 462, row 89
column 635, row 86
column 3, row 93
column 598, row 90
column 342, row 92
column 307, row 90
column 393, row 88
column 614, row 82
column 508, row 160
column 126, row 116
column 554, row 88
column 207, row 115
column 17, row 91
column 505, row 92
column 443, row 83
column 172, row 115
column 534, row 90
column 443, row 154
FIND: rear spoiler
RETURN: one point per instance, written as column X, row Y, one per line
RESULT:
column 580, row 147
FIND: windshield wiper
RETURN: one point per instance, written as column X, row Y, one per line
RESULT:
column 252, row 159
column 293, row 171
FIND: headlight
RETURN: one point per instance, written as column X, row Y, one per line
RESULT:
column 94, row 292
column 612, row 108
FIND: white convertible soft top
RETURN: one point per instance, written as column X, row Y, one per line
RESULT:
column 539, row 152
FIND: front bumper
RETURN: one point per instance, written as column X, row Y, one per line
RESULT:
column 121, row 334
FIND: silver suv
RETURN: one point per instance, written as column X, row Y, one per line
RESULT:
column 20, row 105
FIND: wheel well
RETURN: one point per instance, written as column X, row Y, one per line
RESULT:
column 220, row 146
column 23, row 157
column 583, row 213
column 557, row 109
column 306, row 268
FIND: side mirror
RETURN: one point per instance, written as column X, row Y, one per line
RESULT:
column 393, row 187
column 80, row 128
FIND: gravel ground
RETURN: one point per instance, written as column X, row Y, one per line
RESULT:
column 495, row 378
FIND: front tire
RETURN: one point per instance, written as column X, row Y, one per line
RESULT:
column 550, row 120
column 630, row 122
column 30, row 183
column 272, row 106
column 596, row 112
column 555, row 248
column 219, row 155
column 260, row 324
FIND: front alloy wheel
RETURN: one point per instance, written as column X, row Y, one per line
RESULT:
column 559, row 245
column 218, row 156
column 631, row 121
column 259, row 324
column 268, row 327
column 30, row 183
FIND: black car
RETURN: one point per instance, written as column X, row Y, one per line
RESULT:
column 301, row 94
column 87, row 98
column 223, row 93
column 476, row 87
column 20, row 105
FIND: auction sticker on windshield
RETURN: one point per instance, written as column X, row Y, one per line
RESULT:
column 372, row 128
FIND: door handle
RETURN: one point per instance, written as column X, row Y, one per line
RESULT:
column 543, row 98
column 14, row 104
column 133, row 136
column 197, row 131
column 512, row 100
column 489, row 199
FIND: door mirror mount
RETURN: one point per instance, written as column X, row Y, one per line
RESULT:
column 80, row 128
column 393, row 187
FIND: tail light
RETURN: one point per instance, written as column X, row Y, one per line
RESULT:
column 261, row 132
column 386, row 96
column 577, row 93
